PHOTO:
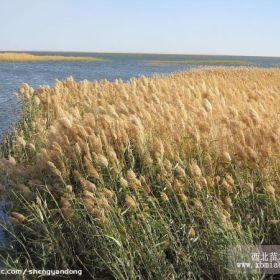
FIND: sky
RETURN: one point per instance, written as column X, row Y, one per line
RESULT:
column 229, row 27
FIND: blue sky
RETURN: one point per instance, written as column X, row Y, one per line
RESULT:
column 235, row 27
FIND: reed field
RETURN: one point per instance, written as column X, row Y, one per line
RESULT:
column 24, row 57
column 154, row 178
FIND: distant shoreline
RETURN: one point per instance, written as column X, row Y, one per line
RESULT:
column 12, row 56
column 41, row 52
column 198, row 62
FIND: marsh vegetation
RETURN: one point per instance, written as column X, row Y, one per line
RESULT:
column 154, row 178
column 31, row 57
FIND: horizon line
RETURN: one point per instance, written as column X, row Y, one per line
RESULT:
column 139, row 53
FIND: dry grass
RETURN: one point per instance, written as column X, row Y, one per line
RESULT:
column 220, row 110
column 31, row 57
column 134, row 177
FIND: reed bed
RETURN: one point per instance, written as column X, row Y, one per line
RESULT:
column 154, row 178
column 24, row 57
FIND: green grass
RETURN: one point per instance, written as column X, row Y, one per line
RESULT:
column 156, row 243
